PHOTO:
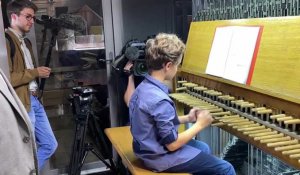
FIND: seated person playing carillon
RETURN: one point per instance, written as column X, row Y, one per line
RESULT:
column 154, row 121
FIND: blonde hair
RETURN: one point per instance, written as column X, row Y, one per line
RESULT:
column 162, row 49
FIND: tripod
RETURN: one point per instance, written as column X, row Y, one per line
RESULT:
column 54, row 32
column 81, row 148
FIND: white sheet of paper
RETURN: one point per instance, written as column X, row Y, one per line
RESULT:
column 232, row 52
column 240, row 54
column 219, row 51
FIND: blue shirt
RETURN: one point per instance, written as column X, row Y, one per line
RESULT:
column 154, row 123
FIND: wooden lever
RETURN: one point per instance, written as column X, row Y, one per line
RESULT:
column 289, row 147
column 281, row 119
column 241, row 123
column 236, row 101
column 294, row 151
column 263, row 134
column 294, row 156
column 232, row 120
column 293, row 121
column 218, row 124
column 181, row 81
column 200, row 88
column 257, row 109
column 275, row 140
column 180, row 89
column 257, row 131
column 251, row 128
column 228, row 117
column 245, row 126
column 283, row 143
column 277, row 116
column 264, row 111
column 221, row 113
column 215, row 110
column 270, row 136
column 247, row 105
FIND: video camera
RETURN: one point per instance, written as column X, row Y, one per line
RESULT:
column 86, row 123
column 81, row 97
column 134, row 50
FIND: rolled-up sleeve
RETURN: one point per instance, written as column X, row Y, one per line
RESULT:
column 164, row 114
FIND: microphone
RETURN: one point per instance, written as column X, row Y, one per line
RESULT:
column 132, row 53
column 77, row 22
column 73, row 22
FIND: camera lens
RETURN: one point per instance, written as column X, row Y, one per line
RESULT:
column 140, row 68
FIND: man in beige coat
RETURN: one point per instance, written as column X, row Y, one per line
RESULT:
column 17, row 144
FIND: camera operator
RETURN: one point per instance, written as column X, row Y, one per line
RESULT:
column 130, row 84
column 24, row 73
column 128, row 71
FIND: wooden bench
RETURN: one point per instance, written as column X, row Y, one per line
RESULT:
column 121, row 139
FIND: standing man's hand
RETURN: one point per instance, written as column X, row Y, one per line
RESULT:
column 44, row 72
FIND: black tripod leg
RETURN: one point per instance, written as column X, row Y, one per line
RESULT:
column 75, row 154
column 99, row 136
column 111, row 166
column 82, row 161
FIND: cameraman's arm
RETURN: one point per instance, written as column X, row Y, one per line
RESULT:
column 129, row 90
column 130, row 85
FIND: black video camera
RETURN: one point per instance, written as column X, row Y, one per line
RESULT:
column 139, row 62
column 134, row 50
column 83, row 95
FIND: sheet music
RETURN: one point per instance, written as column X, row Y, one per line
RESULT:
column 231, row 55
column 219, row 51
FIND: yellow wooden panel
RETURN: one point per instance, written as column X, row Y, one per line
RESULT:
column 278, row 60
column 180, row 111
